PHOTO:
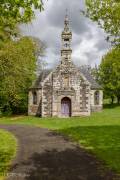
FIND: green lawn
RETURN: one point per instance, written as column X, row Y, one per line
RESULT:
column 99, row 133
column 7, row 151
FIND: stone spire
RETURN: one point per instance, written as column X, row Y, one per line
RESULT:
column 66, row 22
column 66, row 37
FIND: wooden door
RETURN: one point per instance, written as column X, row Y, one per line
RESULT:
column 66, row 107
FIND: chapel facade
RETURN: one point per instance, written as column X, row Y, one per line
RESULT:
column 67, row 90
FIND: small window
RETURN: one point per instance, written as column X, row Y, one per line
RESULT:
column 96, row 98
column 34, row 98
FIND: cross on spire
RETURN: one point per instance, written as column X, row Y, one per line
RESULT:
column 66, row 22
column 66, row 16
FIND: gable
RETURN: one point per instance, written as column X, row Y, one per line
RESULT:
column 66, row 69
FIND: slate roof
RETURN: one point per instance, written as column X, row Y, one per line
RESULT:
column 87, row 73
column 40, row 79
column 84, row 70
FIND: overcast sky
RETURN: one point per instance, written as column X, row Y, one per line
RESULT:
column 88, row 41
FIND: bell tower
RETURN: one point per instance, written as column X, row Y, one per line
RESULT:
column 66, row 37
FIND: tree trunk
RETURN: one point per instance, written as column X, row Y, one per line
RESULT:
column 118, row 99
column 112, row 99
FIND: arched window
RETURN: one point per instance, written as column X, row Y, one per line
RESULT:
column 96, row 98
column 34, row 97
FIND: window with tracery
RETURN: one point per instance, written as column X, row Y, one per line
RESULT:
column 96, row 98
column 34, row 97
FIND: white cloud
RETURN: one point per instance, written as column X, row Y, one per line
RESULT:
column 88, row 43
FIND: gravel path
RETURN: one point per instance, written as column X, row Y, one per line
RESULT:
column 45, row 155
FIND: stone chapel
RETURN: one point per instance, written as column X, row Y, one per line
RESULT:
column 67, row 90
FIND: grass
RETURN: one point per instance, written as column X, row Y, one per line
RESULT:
column 99, row 133
column 7, row 151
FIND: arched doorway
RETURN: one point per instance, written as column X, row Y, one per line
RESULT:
column 66, row 107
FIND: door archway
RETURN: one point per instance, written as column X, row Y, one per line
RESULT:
column 66, row 107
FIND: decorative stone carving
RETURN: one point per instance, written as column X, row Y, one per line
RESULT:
column 65, row 82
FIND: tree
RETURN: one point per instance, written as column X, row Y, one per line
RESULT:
column 17, row 67
column 109, row 73
column 18, row 56
column 13, row 12
column 107, row 14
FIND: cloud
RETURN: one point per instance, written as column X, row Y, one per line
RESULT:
column 88, row 41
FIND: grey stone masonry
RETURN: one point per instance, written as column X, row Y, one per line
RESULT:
column 66, row 90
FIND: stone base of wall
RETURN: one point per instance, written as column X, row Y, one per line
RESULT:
column 74, row 114
column 96, row 108
column 78, row 114
column 33, row 110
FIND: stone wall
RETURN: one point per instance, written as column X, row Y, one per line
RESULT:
column 98, row 107
column 73, row 91
column 85, row 98
column 47, row 92
column 65, row 81
column 34, row 109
